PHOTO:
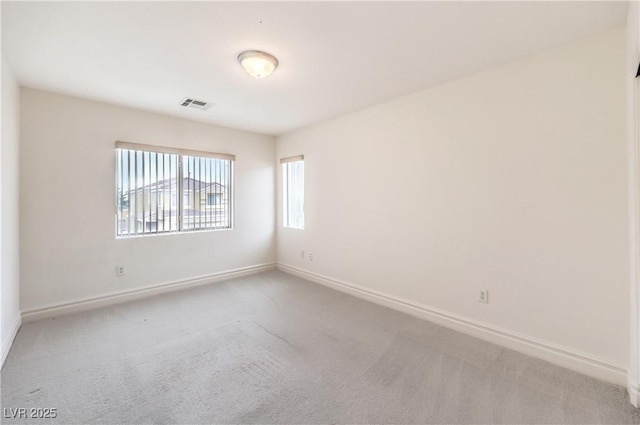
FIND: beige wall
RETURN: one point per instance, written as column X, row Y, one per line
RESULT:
column 68, row 247
column 9, row 216
column 513, row 180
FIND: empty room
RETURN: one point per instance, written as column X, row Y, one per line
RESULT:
column 320, row 212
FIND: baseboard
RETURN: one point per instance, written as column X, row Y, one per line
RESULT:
column 8, row 342
column 124, row 296
column 553, row 353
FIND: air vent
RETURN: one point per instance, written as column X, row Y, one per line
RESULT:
column 197, row 104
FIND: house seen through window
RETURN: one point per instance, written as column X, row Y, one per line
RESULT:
column 162, row 190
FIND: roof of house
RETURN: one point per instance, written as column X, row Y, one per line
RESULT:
column 188, row 184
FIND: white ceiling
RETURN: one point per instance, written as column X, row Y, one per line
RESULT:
column 335, row 57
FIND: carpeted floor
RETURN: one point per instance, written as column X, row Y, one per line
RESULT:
column 273, row 348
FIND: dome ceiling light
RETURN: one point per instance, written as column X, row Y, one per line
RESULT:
column 258, row 64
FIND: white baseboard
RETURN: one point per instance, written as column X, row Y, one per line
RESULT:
column 553, row 353
column 124, row 296
column 8, row 342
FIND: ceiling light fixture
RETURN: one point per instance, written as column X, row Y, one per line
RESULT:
column 258, row 64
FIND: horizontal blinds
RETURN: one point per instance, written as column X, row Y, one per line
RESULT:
column 174, row 151
column 292, row 159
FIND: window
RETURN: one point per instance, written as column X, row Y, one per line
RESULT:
column 163, row 190
column 293, row 191
column 214, row 199
column 185, row 199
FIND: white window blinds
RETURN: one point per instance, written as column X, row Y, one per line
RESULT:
column 293, row 191
column 164, row 190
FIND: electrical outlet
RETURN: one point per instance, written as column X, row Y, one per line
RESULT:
column 302, row 254
column 310, row 256
column 483, row 295
column 120, row 270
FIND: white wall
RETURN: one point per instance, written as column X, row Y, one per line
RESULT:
column 9, row 202
column 68, row 248
column 633, row 57
column 513, row 179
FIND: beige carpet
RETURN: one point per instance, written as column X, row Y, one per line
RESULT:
column 272, row 348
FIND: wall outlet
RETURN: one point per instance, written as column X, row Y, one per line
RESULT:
column 302, row 254
column 120, row 270
column 483, row 295
column 310, row 256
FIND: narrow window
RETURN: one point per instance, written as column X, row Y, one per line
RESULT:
column 293, row 192
column 164, row 190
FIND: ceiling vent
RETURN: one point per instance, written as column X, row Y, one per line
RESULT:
column 197, row 104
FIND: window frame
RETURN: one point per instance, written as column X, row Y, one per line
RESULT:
column 285, row 164
column 179, row 193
